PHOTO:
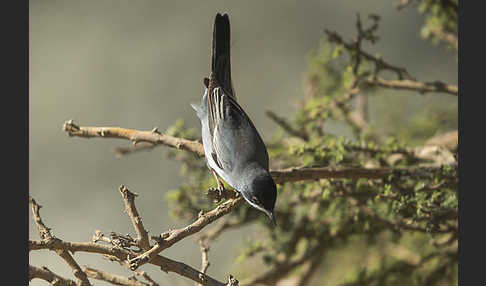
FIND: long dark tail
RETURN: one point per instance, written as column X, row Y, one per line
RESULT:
column 221, row 65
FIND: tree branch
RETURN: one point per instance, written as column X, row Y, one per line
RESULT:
column 280, row 176
column 45, row 274
column 304, row 174
column 167, row 239
column 204, row 257
column 405, row 80
column 420, row 87
column 166, row 264
column 131, row 210
column 46, row 236
column 135, row 136
column 112, row 278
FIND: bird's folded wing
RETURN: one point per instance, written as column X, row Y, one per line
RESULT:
column 234, row 138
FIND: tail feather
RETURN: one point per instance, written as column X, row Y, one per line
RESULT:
column 220, row 64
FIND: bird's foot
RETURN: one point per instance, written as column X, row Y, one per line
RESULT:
column 215, row 194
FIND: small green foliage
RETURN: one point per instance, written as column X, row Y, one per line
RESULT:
column 397, row 219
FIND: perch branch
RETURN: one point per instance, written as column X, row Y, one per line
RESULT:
column 167, row 239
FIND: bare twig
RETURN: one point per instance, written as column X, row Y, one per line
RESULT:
column 45, row 274
column 46, row 236
column 135, row 136
column 150, row 281
column 380, row 63
column 204, row 257
column 112, row 278
column 131, row 210
column 405, row 80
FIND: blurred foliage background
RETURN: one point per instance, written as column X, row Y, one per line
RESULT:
column 138, row 64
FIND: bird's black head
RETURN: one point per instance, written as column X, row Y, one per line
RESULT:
column 261, row 193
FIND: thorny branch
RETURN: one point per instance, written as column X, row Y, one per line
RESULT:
column 59, row 246
column 48, row 238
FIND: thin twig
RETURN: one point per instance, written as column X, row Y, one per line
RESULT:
column 204, row 257
column 131, row 210
column 48, row 238
column 112, row 278
column 45, row 274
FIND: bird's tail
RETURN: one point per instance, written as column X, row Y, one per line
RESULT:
column 220, row 64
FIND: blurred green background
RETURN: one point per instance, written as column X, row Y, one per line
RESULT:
column 138, row 64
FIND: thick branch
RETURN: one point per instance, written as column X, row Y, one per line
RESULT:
column 133, row 135
column 303, row 174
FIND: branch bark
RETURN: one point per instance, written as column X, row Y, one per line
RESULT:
column 167, row 239
column 421, row 87
column 165, row 264
column 48, row 238
column 131, row 210
column 135, row 136
column 45, row 274
column 112, row 278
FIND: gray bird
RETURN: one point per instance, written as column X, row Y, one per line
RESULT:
column 233, row 148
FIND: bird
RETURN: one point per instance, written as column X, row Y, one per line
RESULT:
column 233, row 148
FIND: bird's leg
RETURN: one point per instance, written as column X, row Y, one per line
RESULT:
column 221, row 188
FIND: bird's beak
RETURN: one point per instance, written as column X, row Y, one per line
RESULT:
column 271, row 215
